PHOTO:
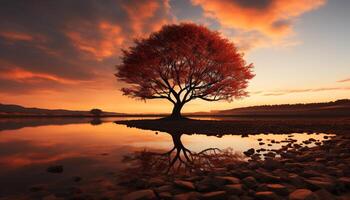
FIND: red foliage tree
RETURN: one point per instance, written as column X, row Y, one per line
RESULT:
column 184, row 62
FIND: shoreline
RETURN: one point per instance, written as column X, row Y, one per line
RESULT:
column 252, row 116
column 242, row 126
column 320, row 172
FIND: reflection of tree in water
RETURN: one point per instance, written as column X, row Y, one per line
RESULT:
column 180, row 159
column 96, row 121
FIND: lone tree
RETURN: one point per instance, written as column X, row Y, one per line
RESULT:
column 96, row 112
column 181, row 63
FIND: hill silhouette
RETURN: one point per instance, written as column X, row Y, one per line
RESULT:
column 16, row 110
column 328, row 109
column 333, row 108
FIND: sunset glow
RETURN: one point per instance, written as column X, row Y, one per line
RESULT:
column 63, row 55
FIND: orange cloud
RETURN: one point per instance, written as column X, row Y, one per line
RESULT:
column 258, row 23
column 102, row 41
column 272, row 17
column 105, row 38
column 13, row 72
column 22, row 75
column 139, row 13
column 16, row 36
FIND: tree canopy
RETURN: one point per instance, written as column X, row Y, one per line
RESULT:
column 184, row 62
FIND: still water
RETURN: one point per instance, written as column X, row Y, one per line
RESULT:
column 29, row 147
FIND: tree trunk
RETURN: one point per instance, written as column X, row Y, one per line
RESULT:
column 176, row 114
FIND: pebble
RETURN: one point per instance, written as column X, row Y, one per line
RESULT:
column 184, row 184
column 141, row 195
column 302, row 194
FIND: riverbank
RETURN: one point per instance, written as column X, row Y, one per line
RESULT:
column 293, row 172
column 244, row 126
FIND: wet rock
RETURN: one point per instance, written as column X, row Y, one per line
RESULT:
column 321, row 160
column 270, row 154
column 164, row 188
column 306, row 142
column 141, row 195
column 51, row 197
column 344, row 181
column 155, row 182
column 321, row 183
column 37, row 188
column 55, row 169
column 261, row 143
column 249, row 152
column 187, row 196
column 267, row 195
column 77, row 178
column 229, row 179
column 310, row 173
column 235, row 197
column 74, row 190
column 324, row 195
column 205, row 185
column 217, row 195
column 287, row 155
column 278, row 189
column 236, row 189
column 295, row 180
column 253, row 164
column 184, row 184
column 249, row 182
column 271, row 164
column 109, row 195
column 302, row 194
column 214, row 183
column 165, row 195
column 140, row 183
column 267, row 177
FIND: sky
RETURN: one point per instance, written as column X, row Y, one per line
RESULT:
column 62, row 54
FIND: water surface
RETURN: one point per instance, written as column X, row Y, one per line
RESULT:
column 28, row 147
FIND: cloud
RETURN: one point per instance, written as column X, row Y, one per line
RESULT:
column 291, row 91
column 102, row 47
column 267, row 19
column 16, row 36
column 344, row 80
column 23, row 75
column 51, row 44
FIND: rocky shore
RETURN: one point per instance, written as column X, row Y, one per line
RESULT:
column 293, row 172
column 243, row 126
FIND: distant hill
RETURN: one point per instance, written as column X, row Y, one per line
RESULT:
column 329, row 109
column 16, row 110
column 334, row 108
